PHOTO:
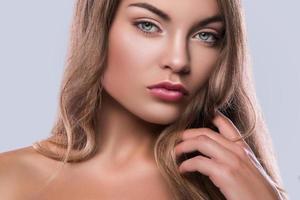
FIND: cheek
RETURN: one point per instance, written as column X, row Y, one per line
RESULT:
column 202, row 66
column 130, row 69
column 130, row 56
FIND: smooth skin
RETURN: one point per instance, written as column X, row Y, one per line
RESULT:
column 140, row 54
column 231, row 166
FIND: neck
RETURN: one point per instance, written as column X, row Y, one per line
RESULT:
column 122, row 136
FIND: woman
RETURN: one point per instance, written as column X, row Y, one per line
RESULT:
column 157, row 102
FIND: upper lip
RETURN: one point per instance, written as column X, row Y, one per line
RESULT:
column 170, row 86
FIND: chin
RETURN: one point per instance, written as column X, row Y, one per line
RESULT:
column 162, row 116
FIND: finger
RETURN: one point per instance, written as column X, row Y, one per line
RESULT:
column 239, row 150
column 227, row 128
column 201, row 164
column 194, row 133
column 206, row 146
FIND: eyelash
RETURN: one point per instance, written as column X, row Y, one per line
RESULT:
column 147, row 33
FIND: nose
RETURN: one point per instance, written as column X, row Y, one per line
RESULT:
column 176, row 55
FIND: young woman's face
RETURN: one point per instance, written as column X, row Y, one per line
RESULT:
column 152, row 41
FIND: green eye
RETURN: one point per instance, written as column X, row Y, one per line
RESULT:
column 208, row 37
column 146, row 27
column 149, row 28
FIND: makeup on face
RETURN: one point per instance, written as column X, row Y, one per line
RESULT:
column 160, row 55
column 168, row 91
column 213, row 22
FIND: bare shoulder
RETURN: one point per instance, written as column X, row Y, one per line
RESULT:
column 22, row 171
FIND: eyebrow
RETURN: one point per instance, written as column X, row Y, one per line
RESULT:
column 167, row 18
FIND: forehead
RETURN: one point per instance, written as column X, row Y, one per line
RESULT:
column 178, row 9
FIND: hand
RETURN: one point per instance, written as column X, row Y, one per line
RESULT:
column 231, row 166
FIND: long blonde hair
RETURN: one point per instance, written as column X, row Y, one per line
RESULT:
column 230, row 89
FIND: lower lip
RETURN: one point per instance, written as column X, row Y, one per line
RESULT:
column 168, row 95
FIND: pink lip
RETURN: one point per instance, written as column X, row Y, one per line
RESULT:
column 165, row 94
column 168, row 91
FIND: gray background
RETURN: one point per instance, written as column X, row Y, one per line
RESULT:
column 33, row 39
